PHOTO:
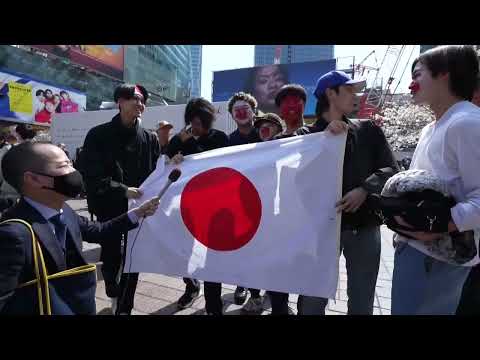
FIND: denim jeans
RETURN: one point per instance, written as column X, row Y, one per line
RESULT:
column 425, row 286
column 361, row 249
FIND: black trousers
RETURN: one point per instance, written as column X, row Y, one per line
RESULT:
column 111, row 256
column 279, row 302
column 213, row 297
column 470, row 300
column 212, row 293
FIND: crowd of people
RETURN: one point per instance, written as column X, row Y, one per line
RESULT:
column 119, row 155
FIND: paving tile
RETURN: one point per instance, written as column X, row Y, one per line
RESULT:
column 338, row 305
column 160, row 292
column 150, row 305
column 383, row 292
column 384, row 283
column 385, row 303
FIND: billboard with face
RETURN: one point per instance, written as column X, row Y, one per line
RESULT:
column 264, row 82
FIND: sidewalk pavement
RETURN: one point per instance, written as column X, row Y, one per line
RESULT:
column 157, row 294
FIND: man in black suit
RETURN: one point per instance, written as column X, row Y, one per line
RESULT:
column 45, row 178
column 198, row 136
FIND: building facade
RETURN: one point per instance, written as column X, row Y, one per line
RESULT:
column 165, row 70
column 196, row 58
column 287, row 54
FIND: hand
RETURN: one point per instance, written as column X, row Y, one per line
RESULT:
column 148, row 208
column 134, row 193
column 452, row 226
column 185, row 135
column 337, row 127
column 352, row 200
column 177, row 159
column 418, row 235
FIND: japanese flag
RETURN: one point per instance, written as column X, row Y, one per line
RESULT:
column 257, row 215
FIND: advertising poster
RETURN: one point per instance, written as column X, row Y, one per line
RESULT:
column 27, row 100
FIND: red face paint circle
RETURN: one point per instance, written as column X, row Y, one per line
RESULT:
column 265, row 132
column 241, row 114
column 291, row 109
column 221, row 208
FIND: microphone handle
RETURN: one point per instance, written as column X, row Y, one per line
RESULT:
column 165, row 187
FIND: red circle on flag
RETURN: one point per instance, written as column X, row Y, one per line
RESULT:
column 221, row 208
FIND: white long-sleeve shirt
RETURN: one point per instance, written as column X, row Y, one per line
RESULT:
column 450, row 149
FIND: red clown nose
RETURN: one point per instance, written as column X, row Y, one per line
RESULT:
column 414, row 87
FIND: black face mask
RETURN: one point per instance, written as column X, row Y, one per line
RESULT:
column 70, row 185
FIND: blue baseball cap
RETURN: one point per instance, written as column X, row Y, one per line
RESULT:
column 336, row 78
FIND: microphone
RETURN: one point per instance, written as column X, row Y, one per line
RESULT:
column 172, row 177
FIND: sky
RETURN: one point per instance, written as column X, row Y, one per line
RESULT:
column 227, row 57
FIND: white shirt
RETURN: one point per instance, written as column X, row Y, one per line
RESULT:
column 450, row 149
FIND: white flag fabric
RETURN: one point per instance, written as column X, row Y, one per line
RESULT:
column 258, row 215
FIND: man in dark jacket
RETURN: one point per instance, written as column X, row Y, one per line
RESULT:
column 198, row 136
column 290, row 100
column 243, row 108
column 368, row 163
column 45, row 178
column 118, row 157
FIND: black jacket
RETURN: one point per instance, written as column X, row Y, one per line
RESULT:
column 116, row 158
column 213, row 140
column 237, row 138
column 368, row 163
column 16, row 259
column 304, row 130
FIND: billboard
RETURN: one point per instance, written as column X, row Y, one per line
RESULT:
column 263, row 82
column 24, row 99
column 107, row 59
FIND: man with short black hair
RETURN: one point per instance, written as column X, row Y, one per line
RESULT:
column 25, row 132
column 424, row 281
column 368, row 163
column 198, row 136
column 243, row 108
column 291, row 100
column 118, row 156
column 44, row 176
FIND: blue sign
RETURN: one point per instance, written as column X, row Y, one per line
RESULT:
column 264, row 82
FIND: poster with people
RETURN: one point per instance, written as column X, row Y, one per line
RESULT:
column 263, row 82
column 25, row 99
